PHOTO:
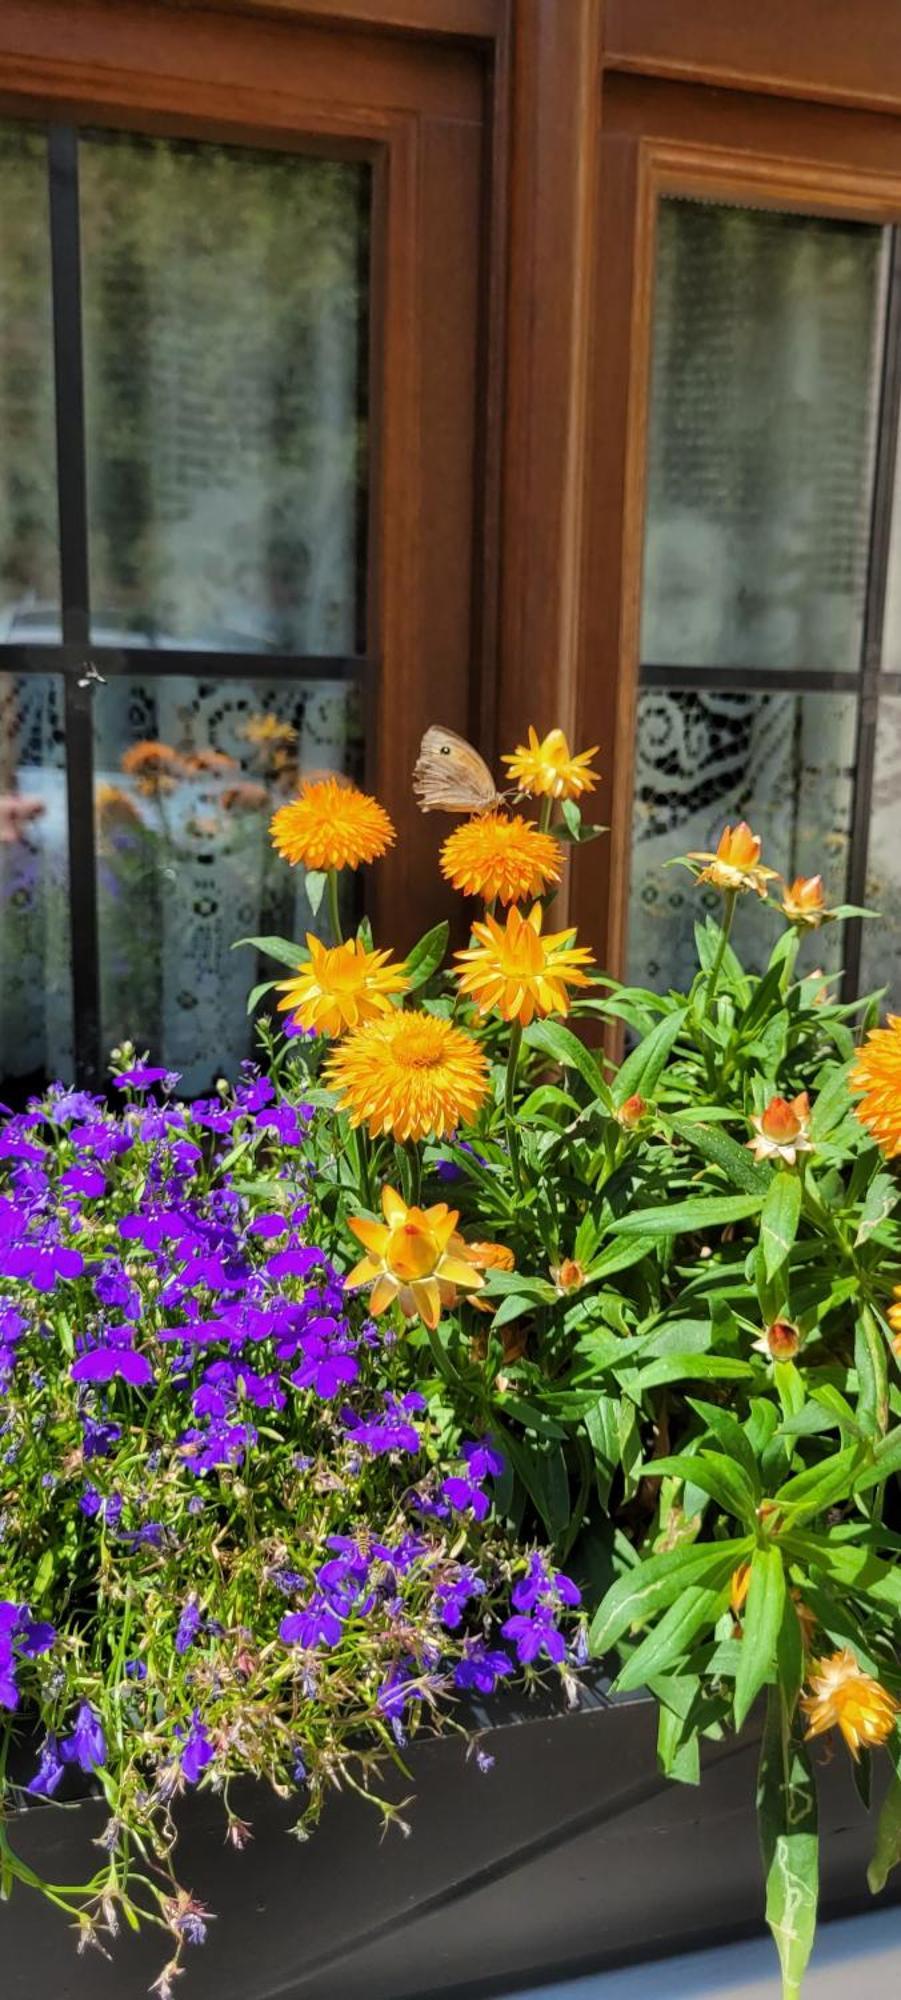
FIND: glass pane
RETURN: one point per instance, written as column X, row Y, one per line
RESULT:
column 783, row 762
column 225, row 357
column 35, row 951
column 881, row 942
column 188, row 773
column 29, row 549
column 766, row 361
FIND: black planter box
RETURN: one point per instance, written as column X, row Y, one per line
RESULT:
column 572, row 1854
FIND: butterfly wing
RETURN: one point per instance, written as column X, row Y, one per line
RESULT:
column 450, row 776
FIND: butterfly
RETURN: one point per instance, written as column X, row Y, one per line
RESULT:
column 450, row 776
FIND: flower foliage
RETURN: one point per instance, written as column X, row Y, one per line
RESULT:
column 206, row 1439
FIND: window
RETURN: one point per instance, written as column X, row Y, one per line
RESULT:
column 768, row 685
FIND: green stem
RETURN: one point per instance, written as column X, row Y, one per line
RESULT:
column 545, row 812
column 729, row 901
column 364, row 1177
column 509, row 1099
column 333, row 915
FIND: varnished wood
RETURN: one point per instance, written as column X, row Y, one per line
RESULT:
column 555, row 114
column 848, row 51
column 472, row 20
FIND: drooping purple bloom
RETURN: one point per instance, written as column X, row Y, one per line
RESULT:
column 189, row 1625
column 481, row 1667
column 464, row 1495
column 49, row 1774
column 197, row 1750
column 482, row 1457
column 86, row 1746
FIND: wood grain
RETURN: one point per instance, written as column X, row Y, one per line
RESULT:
column 848, row 51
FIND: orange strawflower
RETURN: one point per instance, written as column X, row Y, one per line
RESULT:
column 632, row 1112
column 894, row 1319
column 244, row 797
column 843, row 1697
column 415, row 1256
column 519, row 973
column 549, row 769
column 736, row 865
column 489, row 1257
column 876, row 1071
column 341, row 987
column 780, row 1131
column 411, row 1074
column 568, row 1276
column 500, row 858
column 780, row 1341
column 156, row 767
column 804, row 902
column 268, row 730
column 331, row 825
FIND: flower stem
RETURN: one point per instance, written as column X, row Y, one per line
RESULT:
column 333, row 914
column 545, row 811
column 729, row 901
column 364, row 1178
column 509, row 1096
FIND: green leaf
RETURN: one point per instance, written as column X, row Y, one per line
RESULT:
column 779, row 1220
column 721, row 1151
column 426, row 956
column 642, row 1069
column 679, row 1755
column 681, row 1217
column 566, row 1049
column 886, row 1460
column 760, row 1628
column 601, row 1426
column 258, row 993
column 808, row 1493
column 881, row 1199
column 694, row 1368
column 871, row 1363
column 831, row 1104
column 787, row 1816
column 698, row 1606
column 314, row 883
column 280, row 948
column 887, row 1849
column 729, row 1434
column 715, row 1475
column 653, row 1584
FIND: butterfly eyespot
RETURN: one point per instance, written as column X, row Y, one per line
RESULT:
column 445, row 750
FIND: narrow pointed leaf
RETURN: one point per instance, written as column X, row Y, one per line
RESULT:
column 779, row 1221
column 787, row 1817
column 761, row 1622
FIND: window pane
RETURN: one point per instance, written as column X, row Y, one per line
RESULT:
column 224, row 334
column 783, row 762
column 881, row 942
column 766, row 360
column 188, row 773
column 35, row 953
column 29, row 550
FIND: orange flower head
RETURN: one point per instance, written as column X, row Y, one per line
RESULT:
column 245, row 797
column 489, row 1257
column 206, row 760
column 894, row 1319
column 341, row 987
column 781, row 1130
column 843, row 1697
column 415, row 1256
column 410, row 1074
column 500, row 858
column 804, row 902
column 569, row 1275
column 738, row 1588
column 269, row 731
column 632, row 1112
column 780, row 1341
column 876, row 1072
column 519, row 973
column 113, row 806
column 547, row 768
column 155, row 766
column 331, row 825
column 736, row 865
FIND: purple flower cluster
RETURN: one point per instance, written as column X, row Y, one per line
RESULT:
column 541, row 1598
column 21, row 1638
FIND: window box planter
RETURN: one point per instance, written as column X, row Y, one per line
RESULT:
column 573, row 1853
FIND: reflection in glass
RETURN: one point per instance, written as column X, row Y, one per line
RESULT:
column 784, row 763
column 224, row 319
column 35, row 952
column 188, row 774
column 881, row 942
column 29, row 554
column 766, row 365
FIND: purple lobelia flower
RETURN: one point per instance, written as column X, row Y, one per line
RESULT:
column 482, row 1457
column 189, row 1625
column 481, row 1667
column 104, row 1364
column 142, row 1075
column 197, row 1750
column 49, row 1774
column 86, row 1746
column 463, row 1495
column 318, row 1624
